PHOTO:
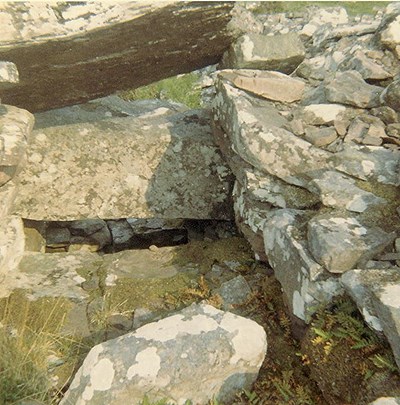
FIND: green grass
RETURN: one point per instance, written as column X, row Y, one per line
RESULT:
column 352, row 7
column 182, row 89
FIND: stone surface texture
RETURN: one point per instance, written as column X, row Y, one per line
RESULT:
column 198, row 354
column 282, row 53
column 71, row 53
column 125, row 167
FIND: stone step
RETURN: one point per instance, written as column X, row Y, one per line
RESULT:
column 154, row 165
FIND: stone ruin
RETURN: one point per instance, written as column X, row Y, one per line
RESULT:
column 300, row 147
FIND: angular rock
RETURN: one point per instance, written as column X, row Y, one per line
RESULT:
column 304, row 282
column 377, row 295
column 313, row 68
column 8, row 75
column 121, row 234
column 320, row 136
column 90, row 235
column 386, row 114
column 337, row 190
column 349, row 88
column 325, row 17
column 389, row 34
column 12, row 246
column 391, row 95
column 320, row 114
column 282, row 53
column 369, row 163
column 340, row 242
column 198, row 354
column 258, row 136
column 70, row 54
column 270, row 85
column 15, row 128
column 367, row 67
column 233, row 293
column 167, row 167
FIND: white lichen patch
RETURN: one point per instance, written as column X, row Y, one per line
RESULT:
column 102, row 375
column 91, row 359
column 148, row 364
column 390, row 295
column 367, row 167
column 247, row 47
column 298, row 305
column 169, row 328
column 249, row 340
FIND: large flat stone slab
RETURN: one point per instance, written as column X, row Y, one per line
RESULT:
column 160, row 166
column 72, row 52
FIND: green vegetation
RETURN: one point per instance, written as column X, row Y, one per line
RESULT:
column 182, row 89
column 352, row 7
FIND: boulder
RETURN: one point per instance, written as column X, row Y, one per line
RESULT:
column 386, row 401
column 15, row 128
column 340, row 242
column 305, row 283
column 198, row 354
column 377, row 295
column 125, row 167
column 71, row 53
column 349, row 88
column 282, row 53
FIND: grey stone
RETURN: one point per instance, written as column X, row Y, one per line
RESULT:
column 367, row 67
column 8, row 192
column 9, row 75
column 270, row 85
column 15, row 128
column 104, row 108
column 369, row 163
column 340, row 242
column 305, row 283
column 166, row 167
column 338, row 190
column 282, row 53
column 320, row 136
column 391, row 95
column 313, row 68
column 121, row 233
column 350, row 88
column 258, row 136
column 386, row 114
column 198, row 354
column 83, row 48
column 234, row 292
column 320, row 114
column 377, row 295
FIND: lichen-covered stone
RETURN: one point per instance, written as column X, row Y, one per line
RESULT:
column 377, row 295
column 391, row 95
column 198, row 354
column 340, row 242
column 338, row 190
column 72, row 52
column 282, row 53
column 128, row 167
column 349, row 88
column 369, row 163
column 15, row 128
column 304, row 282
column 258, row 136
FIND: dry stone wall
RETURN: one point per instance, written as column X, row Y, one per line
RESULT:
column 316, row 156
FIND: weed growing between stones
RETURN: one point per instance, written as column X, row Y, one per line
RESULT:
column 182, row 89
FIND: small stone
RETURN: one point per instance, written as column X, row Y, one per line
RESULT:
column 391, row 95
column 153, row 248
column 320, row 136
